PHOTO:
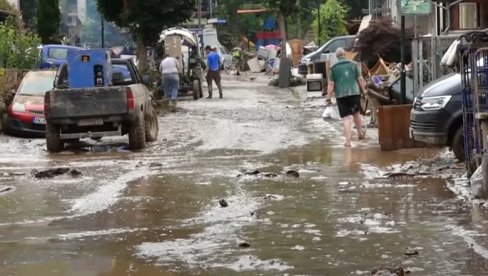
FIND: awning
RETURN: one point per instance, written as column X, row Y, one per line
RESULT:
column 251, row 11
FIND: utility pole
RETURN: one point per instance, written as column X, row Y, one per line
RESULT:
column 402, row 74
column 210, row 8
column 199, row 3
column 102, row 31
column 318, row 26
column 370, row 7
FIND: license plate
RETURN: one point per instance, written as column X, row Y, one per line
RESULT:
column 90, row 122
column 40, row 121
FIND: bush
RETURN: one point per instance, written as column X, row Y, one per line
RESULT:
column 18, row 48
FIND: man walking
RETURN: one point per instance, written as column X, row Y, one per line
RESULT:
column 213, row 73
column 171, row 81
column 346, row 82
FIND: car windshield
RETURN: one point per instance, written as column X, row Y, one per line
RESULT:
column 57, row 53
column 37, row 83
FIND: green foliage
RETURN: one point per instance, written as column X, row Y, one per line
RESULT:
column 286, row 7
column 146, row 19
column 29, row 12
column 48, row 18
column 332, row 20
column 18, row 48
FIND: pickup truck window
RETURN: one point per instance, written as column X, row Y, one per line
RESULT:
column 121, row 75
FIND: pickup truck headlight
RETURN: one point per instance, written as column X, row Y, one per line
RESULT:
column 18, row 107
column 433, row 103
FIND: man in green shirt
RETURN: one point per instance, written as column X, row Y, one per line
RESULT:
column 346, row 82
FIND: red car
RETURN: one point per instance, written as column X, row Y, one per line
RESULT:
column 25, row 115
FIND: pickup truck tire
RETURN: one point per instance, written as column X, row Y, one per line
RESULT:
column 53, row 141
column 458, row 145
column 196, row 89
column 152, row 127
column 137, row 134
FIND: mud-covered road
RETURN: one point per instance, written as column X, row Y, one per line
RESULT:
column 297, row 201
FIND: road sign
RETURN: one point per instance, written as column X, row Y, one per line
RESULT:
column 419, row 7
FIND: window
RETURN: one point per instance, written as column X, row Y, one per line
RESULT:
column 37, row 83
column 468, row 16
column 57, row 53
column 333, row 45
column 121, row 74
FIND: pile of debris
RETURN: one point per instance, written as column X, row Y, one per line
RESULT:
column 383, row 81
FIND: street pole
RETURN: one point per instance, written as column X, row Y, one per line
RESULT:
column 102, row 31
column 318, row 26
column 370, row 7
column 402, row 53
column 210, row 8
column 199, row 3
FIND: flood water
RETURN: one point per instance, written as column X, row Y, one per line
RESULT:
column 157, row 212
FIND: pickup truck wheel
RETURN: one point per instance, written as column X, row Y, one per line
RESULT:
column 152, row 127
column 196, row 89
column 53, row 142
column 458, row 145
column 137, row 134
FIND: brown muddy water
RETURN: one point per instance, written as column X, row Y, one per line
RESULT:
column 157, row 212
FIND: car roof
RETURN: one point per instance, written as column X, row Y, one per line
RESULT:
column 61, row 46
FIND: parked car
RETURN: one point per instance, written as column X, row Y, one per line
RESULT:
column 437, row 115
column 53, row 55
column 327, row 48
column 25, row 115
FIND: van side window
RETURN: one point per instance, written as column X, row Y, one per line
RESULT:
column 333, row 45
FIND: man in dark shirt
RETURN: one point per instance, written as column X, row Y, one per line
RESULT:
column 213, row 74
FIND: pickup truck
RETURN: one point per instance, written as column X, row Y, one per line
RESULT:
column 124, row 107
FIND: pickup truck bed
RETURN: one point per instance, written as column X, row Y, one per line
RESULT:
column 123, row 108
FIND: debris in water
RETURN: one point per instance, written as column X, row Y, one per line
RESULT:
column 4, row 189
column 411, row 252
column 399, row 271
column 400, row 175
column 269, row 174
column 154, row 165
column 50, row 173
column 223, row 203
column 74, row 172
column 251, row 172
column 244, row 245
column 292, row 173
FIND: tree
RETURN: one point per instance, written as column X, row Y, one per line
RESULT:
column 28, row 9
column 48, row 17
column 18, row 48
column 146, row 19
column 332, row 20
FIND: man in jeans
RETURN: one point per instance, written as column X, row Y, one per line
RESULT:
column 346, row 82
column 213, row 74
column 169, row 70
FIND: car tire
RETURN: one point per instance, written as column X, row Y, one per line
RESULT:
column 137, row 133
column 458, row 145
column 196, row 89
column 152, row 127
column 5, row 125
column 53, row 141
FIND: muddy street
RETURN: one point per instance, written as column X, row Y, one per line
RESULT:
column 254, row 183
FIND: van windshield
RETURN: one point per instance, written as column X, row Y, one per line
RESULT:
column 57, row 53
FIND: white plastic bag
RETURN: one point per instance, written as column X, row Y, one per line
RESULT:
column 331, row 113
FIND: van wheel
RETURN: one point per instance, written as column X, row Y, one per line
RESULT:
column 137, row 134
column 152, row 127
column 458, row 145
column 53, row 142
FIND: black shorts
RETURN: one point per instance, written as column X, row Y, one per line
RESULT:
column 349, row 105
